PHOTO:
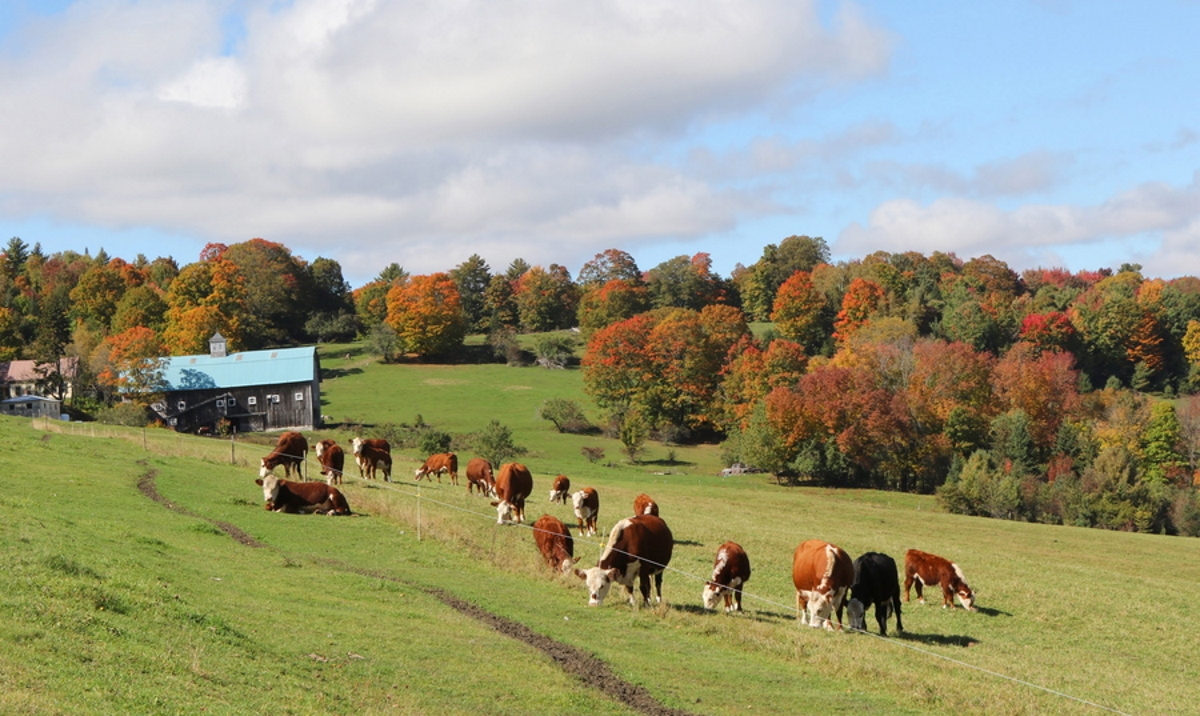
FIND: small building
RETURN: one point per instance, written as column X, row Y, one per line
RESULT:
column 250, row 391
column 26, row 377
column 32, row 406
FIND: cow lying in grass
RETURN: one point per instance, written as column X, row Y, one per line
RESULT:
column 287, row 496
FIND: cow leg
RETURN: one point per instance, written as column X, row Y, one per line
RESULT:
column 881, row 615
column 801, row 608
column 919, row 584
column 658, row 577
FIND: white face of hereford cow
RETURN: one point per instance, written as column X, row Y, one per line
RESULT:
column 357, row 444
column 263, row 470
column 270, row 486
column 599, row 581
column 711, row 595
column 504, row 512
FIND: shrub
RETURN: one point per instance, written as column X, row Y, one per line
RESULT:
column 555, row 350
column 566, row 415
column 433, row 442
column 593, row 454
column 127, row 414
column 495, row 444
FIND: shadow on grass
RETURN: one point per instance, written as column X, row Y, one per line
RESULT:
column 666, row 463
column 689, row 542
column 938, row 639
column 331, row 373
column 989, row 612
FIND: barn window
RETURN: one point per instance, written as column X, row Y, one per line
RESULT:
column 220, row 402
column 232, row 401
column 173, row 422
column 252, row 400
column 273, row 398
column 299, row 397
column 181, row 405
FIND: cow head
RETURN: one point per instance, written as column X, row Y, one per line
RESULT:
column 504, row 512
column 266, row 469
column 577, row 499
column 711, row 595
column 857, row 611
column 357, row 444
column 270, row 485
column 599, row 581
column 967, row 597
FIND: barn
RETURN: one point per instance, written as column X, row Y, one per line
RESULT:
column 250, row 391
column 32, row 406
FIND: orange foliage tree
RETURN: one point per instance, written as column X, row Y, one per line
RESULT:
column 426, row 313
column 861, row 300
column 798, row 311
column 134, row 365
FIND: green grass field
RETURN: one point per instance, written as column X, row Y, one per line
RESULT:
column 204, row 602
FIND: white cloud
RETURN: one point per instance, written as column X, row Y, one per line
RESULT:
column 211, row 83
column 426, row 129
column 971, row 228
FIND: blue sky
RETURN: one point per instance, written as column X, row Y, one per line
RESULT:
column 1051, row 133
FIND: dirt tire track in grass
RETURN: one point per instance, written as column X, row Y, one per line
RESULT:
column 589, row 669
column 576, row 662
column 147, row 487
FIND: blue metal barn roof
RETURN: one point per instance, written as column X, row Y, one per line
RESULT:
column 239, row 370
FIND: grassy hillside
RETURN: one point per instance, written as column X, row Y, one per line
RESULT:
column 117, row 603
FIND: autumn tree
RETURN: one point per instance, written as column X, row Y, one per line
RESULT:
column 685, row 283
column 370, row 300
column 135, row 365
column 753, row 373
column 1044, row 386
column 140, row 306
column 609, row 265
column 277, row 288
column 427, row 315
column 607, row 303
column 800, row 311
column 759, row 283
column 205, row 298
column 546, row 299
column 94, row 298
column 860, row 302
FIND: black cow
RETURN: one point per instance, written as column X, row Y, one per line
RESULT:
column 876, row 581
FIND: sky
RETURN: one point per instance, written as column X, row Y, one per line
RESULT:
column 1046, row 133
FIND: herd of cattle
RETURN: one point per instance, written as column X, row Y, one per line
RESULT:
column 638, row 548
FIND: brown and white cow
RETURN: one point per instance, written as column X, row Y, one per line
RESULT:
column 644, row 504
column 479, row 474
column 560, row 489
column 332, row 459
column 639, row 548
column 587, row 509
column 922, row 568
column 731, row 570
column 822, row 573
column 287, row 496
column 372, row 459
column 440, row 464
column 289, row 452
column 513, row 485
column 554, row 541
column 369, row 461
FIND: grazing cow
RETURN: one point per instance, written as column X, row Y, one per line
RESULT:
column 379, row 444
column 289, row 452
column 479, row 474
column 371, row 459
column 922, row 568
column 513, row 485
column 554, row 541
column 644, row 504
column 638, row 547
column 877, row 582
column 587, row 509
column 440, row 464
column 822, row 573
column 731, row 570
column 560, row 489
column 332, row 459
column 287, row 496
